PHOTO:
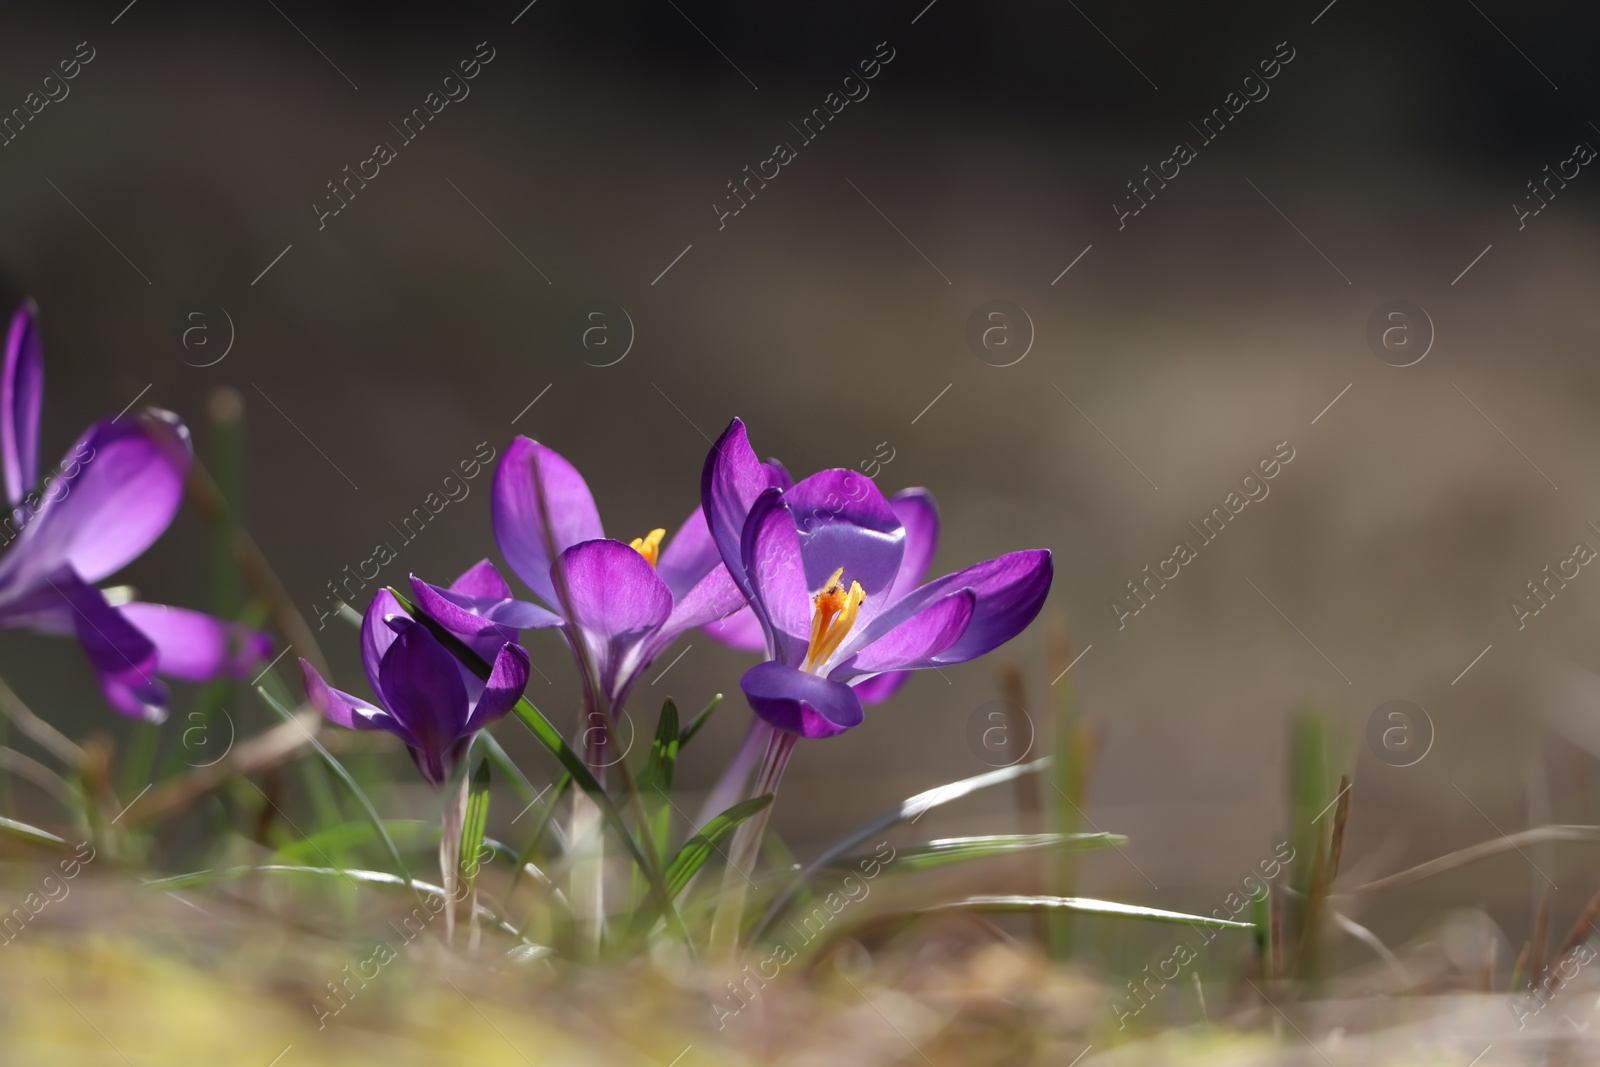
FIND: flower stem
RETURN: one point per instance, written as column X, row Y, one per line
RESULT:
column 587, row 837
column 731, row 786
column 452, row 820
column 727, row 924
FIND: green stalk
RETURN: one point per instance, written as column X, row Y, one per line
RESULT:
column 226, row 409
column 727, row 924
column 1068, row 795
column 643, row 851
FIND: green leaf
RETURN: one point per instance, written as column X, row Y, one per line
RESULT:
column 1261, row 920
column 31, row 834
column 473, row 827
column 406, row 833
column 694, row 853
column 540, row 824
column 548, row 736
column 350, row 783
column 961, row 849
column 1085, row 906
column 503, row 763
column 655, row 784
column 409, row 834
column 698, row 721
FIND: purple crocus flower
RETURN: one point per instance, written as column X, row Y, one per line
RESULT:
column 823, row 565
column 426, row 697
column 919, row 514
column 113, row 495
column 619, row 604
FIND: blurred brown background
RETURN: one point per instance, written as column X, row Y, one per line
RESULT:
column 455, row 289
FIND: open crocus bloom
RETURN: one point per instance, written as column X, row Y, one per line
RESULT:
column 823, row 565
column 113, row 495
column 426, row 697
column 919, row 515
column 627, row 601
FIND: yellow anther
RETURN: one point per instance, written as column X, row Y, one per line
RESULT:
column 834, row 614
column 649, row 546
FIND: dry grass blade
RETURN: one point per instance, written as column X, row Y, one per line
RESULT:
column 1341, row 816
column 1272, row 960
column 1324, row 869
column 1382, row 951
column 206, row 496
column 26, row 767
column 1582, row 928
column 1541, row 935
column 1484, row 850
column 1013, row 690
column 260, row 752
column 1519, row 971
column 52, row 740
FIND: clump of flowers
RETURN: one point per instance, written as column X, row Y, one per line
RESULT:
column 823, row 578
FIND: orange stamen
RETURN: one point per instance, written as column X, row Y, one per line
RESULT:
column 834, row 614
column 649, row 546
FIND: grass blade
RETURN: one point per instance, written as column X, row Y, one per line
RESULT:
column 503, row 763
column 422, row 889
column 698, row 721
column 1085, row 906
column 963, row 849
column 31, row 834
column 655, row 784
column 1481, row 851
column 695, row 851
column 542, row 822
column 475, row 824
column 910, row 808
column 350, row 784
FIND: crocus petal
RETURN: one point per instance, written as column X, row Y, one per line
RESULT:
column 342, row 709
column 741, row 630
column 196, row 647
column 804, row 704
column 1010, row 591
column 376, row 637
column 692, row 552
column 713, row 597
column 118, row 490
column 774, row 566
column 478, row 618
column 519, row 523
column 617, row 597
column 880, row 687
column 778, row 475
column 137, row 698
column 482, row 580
column 920, row 516
column 916, row 642
column 504, row 688
column 1008, row 598
column 689, row 556
column 729, row 483
column 844, row 521
column 21, row 396
column 425, row 693
column 124, row 658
